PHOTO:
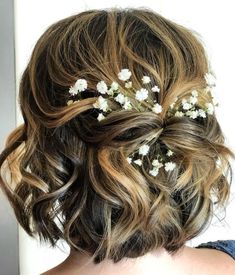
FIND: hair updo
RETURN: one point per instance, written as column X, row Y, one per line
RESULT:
column 69, row 176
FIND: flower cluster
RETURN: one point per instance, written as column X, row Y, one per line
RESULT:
column 129, row 97
column 117, row 93
column 157, row 163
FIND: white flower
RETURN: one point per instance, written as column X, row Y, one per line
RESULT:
column 210, row 79
column 129, row 159
column 193, row 99
column 143, row 150
column 157, row 163
column 101, row 103
column 114, row 86
column 102, row 87
column 127, row 104
column 194, row 93
column 128, row 85
column 80, row 85
column 124, row 74
column 186, row 105
column 120, row 98
column 155, row 89
column 100, row 116
column 192, row 114
column 154, row 171
column 210, row 108
column 110, row 92
column 169, row 153
column 141, row 94
column 169, row 166
column 146, row 79
column 138, row 161
column 201, row 113
column 179, row 114
column 73, row 91
column 157, row 108
column 69, row 102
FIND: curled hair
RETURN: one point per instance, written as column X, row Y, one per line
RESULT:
column 66, row 174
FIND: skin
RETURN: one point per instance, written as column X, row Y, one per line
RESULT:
column 187, row 261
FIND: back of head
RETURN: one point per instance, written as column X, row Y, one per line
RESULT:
column 70, row 176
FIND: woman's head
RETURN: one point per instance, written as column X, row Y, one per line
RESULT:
column 70, row 178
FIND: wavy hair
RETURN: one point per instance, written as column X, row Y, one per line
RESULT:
column 66, row 174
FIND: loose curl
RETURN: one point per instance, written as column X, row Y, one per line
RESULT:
column 69, row 177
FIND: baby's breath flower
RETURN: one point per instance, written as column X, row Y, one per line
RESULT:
column 101, row 103
column 120, row 98
column 169, row 153
column 210, row 108
column 157, row 108
column 124, row 74
column 169, row 166
column 187, row 106
column 141, row 94
column 155, row 89
column 179, row 114
column 157, row 163
column 154, row 171
column 80, row 85
column 114, row 86
column 110, row 92
column 146, row 79
column 127, row 104
column 143, row 150
column 193, row 99
column 138, row 161
column 194, row 93
column 201, row 113
column 73, row 91
column 192, row 114
column 129, row 159
column 100, row 116
column 128, row 84
column 69, row 102
column 102, row 87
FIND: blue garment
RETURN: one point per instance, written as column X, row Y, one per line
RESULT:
column 227, row 246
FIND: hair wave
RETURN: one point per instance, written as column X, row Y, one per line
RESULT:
column 66, row 175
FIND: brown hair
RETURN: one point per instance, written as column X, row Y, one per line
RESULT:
column 69, row 176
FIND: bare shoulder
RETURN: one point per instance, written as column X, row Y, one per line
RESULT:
column 212, row 261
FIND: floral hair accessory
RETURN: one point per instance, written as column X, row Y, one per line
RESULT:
column 130, row 98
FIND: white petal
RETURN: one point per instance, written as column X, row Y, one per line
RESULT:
column 157, row 108
column 114, row 86
column 128, row 85
column 179, row 114
column 141, row 94
column 155, row 89
column 124, row 74
column 138, row 161
column 81, row 85
column 143, row 150
column 129, row 159
column 169, row 166
column 154, row 172
column 102, row 87
column 146, row 79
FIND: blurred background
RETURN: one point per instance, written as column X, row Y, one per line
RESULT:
column 21, row 24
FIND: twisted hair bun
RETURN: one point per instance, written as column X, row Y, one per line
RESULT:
column 70, row 178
